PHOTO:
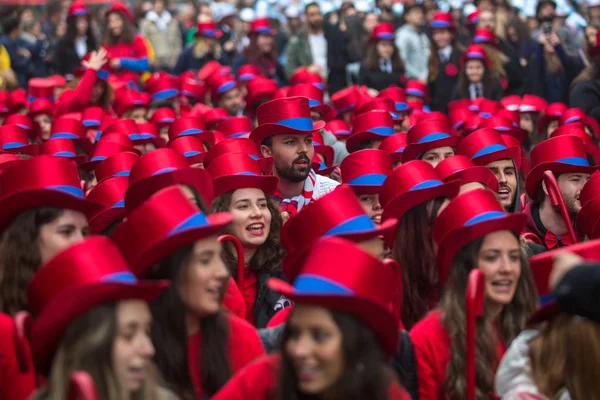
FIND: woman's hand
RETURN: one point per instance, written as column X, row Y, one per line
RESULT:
column 97, row 60
column 115, row 63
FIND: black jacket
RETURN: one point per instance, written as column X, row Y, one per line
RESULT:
column 267, row 302
column 578, row 292
column 66, row 60
column 586, row 95
column 442, row 88
column 378, row 79
column 187, row 61
column 496, row 93
column 515, row 72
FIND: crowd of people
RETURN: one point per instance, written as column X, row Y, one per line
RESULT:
column 275, row 200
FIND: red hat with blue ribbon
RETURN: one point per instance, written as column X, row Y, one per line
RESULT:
column 208, row 29
column 92, row 116
column 191, row 147
column 382, row 31
column 504, row 125
column 239, row 145
column 398, row 95
column 163, row 86
column 379, row 104
column 578, row 115
column 261, row 26
column 239, row 171
column 442, row 20
column 315, row 98
column 62, row 148
column 484, row 146
column 15, row 140
column 221, row 84
column 77, row 9
column 475, row 52
column 16, row 100
column 128, row 100
column 22, row 121
column 416, row 88
column 346, row 99
column 338, row 128
column 467, row 217
column 119, row 164
column 552, row 113
column 41, row 107
column 193, row 89
column 214, row 116
column 366, row 170
column 578, row 129
column 485, row 36
column 302, row 75
column 247, row 72
column 163, row 116
column 70, row 128
column 111, row 194
column 40, row 88
column 395, row 146
column 428, row 135
column 106, row 147
column 186, row 126
column 260, row 90
column 462, row 168
column 236, row 127
column 122, row 9
column 372, row 125
column 473, row 18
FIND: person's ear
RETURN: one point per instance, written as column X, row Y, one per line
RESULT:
column 266, row 151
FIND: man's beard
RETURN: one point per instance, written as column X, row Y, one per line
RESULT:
column 316, row 26
column 293, row 173
column 572, row 204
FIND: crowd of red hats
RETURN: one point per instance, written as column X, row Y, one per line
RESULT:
column 212, row 235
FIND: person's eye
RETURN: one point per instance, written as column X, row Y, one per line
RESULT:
column 290, row 142
column 242, row 207
column 510, row 173
column 320, row 335
column 515, row 258
column 128, row 336
column 66, row 231
column 263, row 205
column 490, row 258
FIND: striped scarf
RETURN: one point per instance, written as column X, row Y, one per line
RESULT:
column 294, row 205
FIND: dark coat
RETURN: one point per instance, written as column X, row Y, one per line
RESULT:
column 586, row 95
column 66, row 60
column 378, row 79
column 267, row 302
column 516, row 74
column 187, row 61
column 496, row 93
column 441, row 89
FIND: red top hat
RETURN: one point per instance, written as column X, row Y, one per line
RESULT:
column 221, row 84
column 16, row 100
column 163, row 116
column 485, row 146
column 364, row 287
column 382, row 31
column 411, row 184
column 214, row 116
column 69, row 128
column 532, row 104
column 161, row 168
column 561, row 154
column 121, row 9
column 41, row 107
column 462, row 168
column 238, row 171
column 338, row 128
column 379, row 104
column 552, row 113
column 442, row 20
column 395, row 145
column 303, row 76
column 62, row 148
column 504, row 125
column 14, row 139
column 345, row 100
column 587, row 217
column 186, row 126
column 21, row 120
column 459, row 116
column 209, row 69
column 162, row 86
column 128, row 100
column 127, row 127
column 41, row 181
column 82, row 277
column 577, row 115
column 485, row 36
column 92, row 117
column 467, row 217
column 111, row 194
column 315, row 99
column 77, row 9
column 475, row 52
column 236, row 127
column 163, row 224
column 282, row 92
column 40, row 88
column 512, row 102
column 239, row 145
column 416, row 88
column 116, row 165
column 428, row 135
column 397, row 95
column 247, row 72
column 373, row 125
column 463, row 103
column 261, row 26
column 208, row 29
column 259, row 89
column 7, row 160
column 366, row 170
column 104, row 149
column 578, row 129
column 148, row 133
column 191, row 147
column 284, row 116
column 193, row 90
column 473, row 18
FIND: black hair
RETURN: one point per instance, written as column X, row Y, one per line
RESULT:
column 9, row 24
column 311, row 4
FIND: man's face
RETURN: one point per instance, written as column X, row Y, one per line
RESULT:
column 314, row 19
column 231, row 101
column 487, row 20
column 505, row 172
column 415, row 17
column 570, row 186
column 292, row 154
column 546, row 12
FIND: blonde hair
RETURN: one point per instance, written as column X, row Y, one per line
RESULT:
column 201, row 49
column 497, row 61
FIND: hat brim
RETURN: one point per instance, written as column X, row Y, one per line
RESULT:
column 28, row 150
column 264, row 131
column 60, row 312
column 413, row 151
column 326, row 111
column 325, row 171
column 374, row 314
column 455, row 240
column 537, row 174
column 512, row 153
column 197, row 178
column 476, row 174
column 163, row 247
column 326, row 151
column 224, row 184
column 355, row 139
column 105, row 218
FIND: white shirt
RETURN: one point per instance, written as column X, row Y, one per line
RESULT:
column 318, row 50
column 386, row 65
column 475, row 90
column 81, row 46
column 445, row 54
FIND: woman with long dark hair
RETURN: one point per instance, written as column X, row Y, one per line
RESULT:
column 382, row 66
column 241, row 190
column 333, row 346
column 106, row 335
column 202, row 346
column 475, row 79
column 78, row 41
column 473, row 232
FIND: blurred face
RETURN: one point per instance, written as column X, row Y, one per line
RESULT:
column 231, row 101
column 570, row 186
column 204, row 279
column 436, row 156
column 138, row 115
column 115, row 24
column 552, row 125
column 314, row 348
column 205, row 12
column 97, row 92
column 66, row 230
column 385, row 49
column 526, row 122
column 82, row 25
column 292, row 154
column 547, row 10
column 590, row 33
column 499, row 259
column 415, row 17
column 505, row 172
column 132, row 348
column 442, row 38
column 370, row 22
column 371, row 206
column 264, row 43
column 45, row 124
column 159, row 7
column 487, row 20
column 314, row 19
column 375, row 247
column 252, row 218
column 474, row 70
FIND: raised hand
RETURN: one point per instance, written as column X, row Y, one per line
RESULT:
column 97, row 60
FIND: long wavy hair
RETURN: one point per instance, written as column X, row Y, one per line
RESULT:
column 497, row 61
column 20, row 256
column 87, row 345
column 71, row 34
column 507, row 326
column 201, row 49
column 268, row 256
column 171, row 335
column 366, row 373
column 414, row 250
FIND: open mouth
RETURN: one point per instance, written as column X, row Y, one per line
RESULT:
column 256, row 229
column 504, row 192
column 504, row 285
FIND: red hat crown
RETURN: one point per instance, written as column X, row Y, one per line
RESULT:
column 366, row 168
column 311, row 92
column 261, row 26
column 128, row 100
column 416, row 88
column 413, row 175
column 60, row 148
column 229, row 146
column 394, row 145
column 186, row 126
column 121, row 9
column 463, row 169
column 442, row 20
column 338, row 127
column 398, row 95
column 382, row 31
column 106, row 147
column 110, row 193
column 193, row 90
column 127, row 127
column 566, row 149
column 473, row 18
column 163, row 116
column 213, row 116
column 119, row 164
column 67, row 128
column 40, row 88
column 377, row 122
column 41, row 107
column 189, row 146
column 157, row 162
column 485, row 145
column 14, row 139
column 77, row 9
column 484, row 36
column 16, row 100
column 378, row 104
column 345, row 99
column 222, row 83
column 236, row 127
column 93, row 116
column 429, row 131
column 260, row 89
column 20, row 120
column 303, row 76
column 247, row 72
column 512, row 102
column 555, row 110
column 208, row 29
column 236, row 171
column 475, row 52
column 163, row 86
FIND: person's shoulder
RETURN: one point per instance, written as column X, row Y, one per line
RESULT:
column 430, row 325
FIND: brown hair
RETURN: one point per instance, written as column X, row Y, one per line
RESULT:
column 127, row 36
column 268, row 256
column 506, row 327
column 497, row 61
column 486, row 82
column 565, row 355
column 372, row 59
column 434, row 57
column 20, row 256
column 266, row 63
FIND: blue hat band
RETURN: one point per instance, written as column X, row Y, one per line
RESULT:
column 415, row 92
column 120, row 277
column 486, row 216
column 79, row 13
column 164, row 171
column 190, row 131
column 98, row 158
column 263, row 29
column 317, row 285
column 485, row 115
column 191, row 153
column 239, row 134
column 166, row 120
column 64, row 135
column 432, row 137
column 440, row 24
column 208, row 32
column 300, row 123
column 478, row 56
column 426, row 184
column 64, row 154
column 313, row 102
column 123, row 173
column 140, row 136
column 401, row 106
column 502, row 128
column 347, row 108
column 91, row 122
column 382, row 130
column 165, row 94
column 492, row 148
column 187, row 93
column 247, row 77
column 72, row 190
column 119, row 204
column 385, row 36
column 226, row 87
column 359, row 224
column 319, row 85
column 197, row 220
column 13, row 145
column 102, row 74
column 341, row 132
column 572, row 119
column 368, row 180
column 579, row 161
column 481, row 39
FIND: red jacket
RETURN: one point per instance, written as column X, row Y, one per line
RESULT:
column 233, row 300
column 14, row 384
column 133, row 58
column 78, row 99
column 258, row 381
column 431, row 345
column 244, row 346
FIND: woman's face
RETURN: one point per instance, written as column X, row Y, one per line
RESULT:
column 69, row 228
column 97, row 91
column 512, row 34
column 499, row 259
column 526, row 122
column 474, row 70
column 385, row 49
column 264, row 43
column 370, row 22
column 115, row 24
column 138, row 115
column 371, row 206
column 314, row 348
column 132, row 348
column 252, row 218
column 45, row 123
column 590, row 34
column 82, row 25
column 442, row 38
column 204, row 278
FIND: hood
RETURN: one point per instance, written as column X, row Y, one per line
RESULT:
column 516, row 207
